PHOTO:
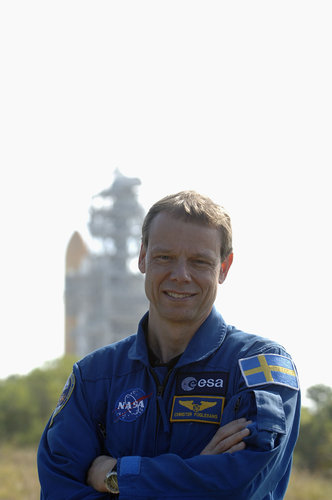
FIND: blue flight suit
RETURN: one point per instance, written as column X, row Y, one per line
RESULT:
column 157, row 421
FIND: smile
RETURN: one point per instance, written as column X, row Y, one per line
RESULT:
column 176, row 295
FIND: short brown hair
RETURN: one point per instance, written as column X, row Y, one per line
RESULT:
column 191, row 206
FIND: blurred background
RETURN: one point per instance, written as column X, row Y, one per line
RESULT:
column 231, row 99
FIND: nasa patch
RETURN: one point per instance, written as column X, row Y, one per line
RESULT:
column 202, row 383
column 131, row 405
column 64, row 398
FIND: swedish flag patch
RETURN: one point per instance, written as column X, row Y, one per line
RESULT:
column 269, row 369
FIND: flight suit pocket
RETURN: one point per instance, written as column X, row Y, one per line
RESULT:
column 265, row 409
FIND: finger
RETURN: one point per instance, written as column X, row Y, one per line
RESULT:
column 226, row 437
column 232, row 428
column 237, row 447
column 228, row 430
column 226, row 444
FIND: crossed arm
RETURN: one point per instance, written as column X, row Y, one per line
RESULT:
column 227, row 439
column 68, row 467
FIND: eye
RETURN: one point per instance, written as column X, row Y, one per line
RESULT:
column 163, row 258
column 201, row 262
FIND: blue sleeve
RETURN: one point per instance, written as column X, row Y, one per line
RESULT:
column 264, row 466
column 68, row 446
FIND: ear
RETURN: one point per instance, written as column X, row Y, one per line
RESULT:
column 141, row 259
column 224, row 268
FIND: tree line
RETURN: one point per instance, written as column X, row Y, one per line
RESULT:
column 26, row 403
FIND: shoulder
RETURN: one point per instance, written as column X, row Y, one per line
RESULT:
column 246, row 344
column 261, row 361
column 106, row 361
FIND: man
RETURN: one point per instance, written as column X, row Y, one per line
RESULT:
column 188, row 407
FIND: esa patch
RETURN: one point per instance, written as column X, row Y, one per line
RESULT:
column 204, row 409
column 131, row 405
column 64, row 398
column 206, row 383
column 269, row 369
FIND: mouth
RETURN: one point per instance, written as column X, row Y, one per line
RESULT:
column 179, row 295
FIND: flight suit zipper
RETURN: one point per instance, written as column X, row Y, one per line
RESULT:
column 161, row 411
column 237, row 406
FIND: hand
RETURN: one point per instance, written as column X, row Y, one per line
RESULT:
column 98, row 470
column 228, row 438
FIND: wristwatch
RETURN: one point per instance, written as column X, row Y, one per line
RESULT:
column 111, row 481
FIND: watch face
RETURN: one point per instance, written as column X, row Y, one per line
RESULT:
column 111, row 482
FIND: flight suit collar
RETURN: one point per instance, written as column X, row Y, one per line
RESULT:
column 206, row 340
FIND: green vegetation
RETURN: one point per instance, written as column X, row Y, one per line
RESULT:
column 26, row 403
column 307, row 486
column 313, row 450
column 14, row 485
column 18, row 474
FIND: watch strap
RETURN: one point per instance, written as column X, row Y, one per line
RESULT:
column 111, row 481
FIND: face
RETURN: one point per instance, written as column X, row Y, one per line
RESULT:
column 183, row 268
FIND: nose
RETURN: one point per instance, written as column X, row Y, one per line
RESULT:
column 180, row 271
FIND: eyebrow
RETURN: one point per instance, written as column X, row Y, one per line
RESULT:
column 206, row 255
column 160, row 249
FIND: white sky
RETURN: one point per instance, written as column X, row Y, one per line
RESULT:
column 229, row 98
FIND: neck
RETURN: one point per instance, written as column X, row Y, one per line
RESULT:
column 168, row 340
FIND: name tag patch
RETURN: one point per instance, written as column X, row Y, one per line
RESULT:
column 205, row 409
column 206, row 383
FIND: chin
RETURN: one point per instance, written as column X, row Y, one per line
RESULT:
column 181, row 316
